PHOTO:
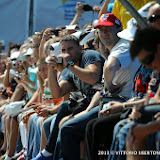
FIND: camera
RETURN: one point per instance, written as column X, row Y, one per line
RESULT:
column 59, row 60
column 14, row 64
column 18, row 76
column 4, row 93
column 87, row 7
column 55, row 32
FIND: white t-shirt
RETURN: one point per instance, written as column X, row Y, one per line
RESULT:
column 128, row 67
column 12, row 73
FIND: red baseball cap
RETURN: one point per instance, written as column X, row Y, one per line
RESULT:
column 107, row 19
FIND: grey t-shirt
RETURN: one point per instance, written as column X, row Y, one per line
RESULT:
column 88, row 57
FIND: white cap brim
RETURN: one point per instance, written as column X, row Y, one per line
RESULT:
column 29, row 52
column 56, row 47
column 14, row 55
column 125, row 34
column 89, row 35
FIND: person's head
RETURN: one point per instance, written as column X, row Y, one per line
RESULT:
column 109, row 25
column 69, row 44
column 146, row 46
column 26, row 59
column 89, row 44
column 154, row 15
column 42, row 68
column 13, row 47
column 99, row 46
column 48, row 49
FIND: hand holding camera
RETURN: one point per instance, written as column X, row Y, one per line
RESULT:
column 55, row 62
column 79, row 8
column 51, row 59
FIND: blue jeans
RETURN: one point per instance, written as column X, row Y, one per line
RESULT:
column 37, row 138
column 148, row 113
column 71, row 134
column 62, row 112
column 115, row 142
column 31, row 137
column 48, row 125
column 122, row 139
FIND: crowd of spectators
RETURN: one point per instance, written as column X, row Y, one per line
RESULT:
column 88, row 93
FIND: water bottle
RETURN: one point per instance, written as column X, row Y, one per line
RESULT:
column 47, row 93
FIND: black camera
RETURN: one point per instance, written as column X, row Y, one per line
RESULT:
column 87, row 7
column 18, row 76
column 55, row 32
column 4, row 93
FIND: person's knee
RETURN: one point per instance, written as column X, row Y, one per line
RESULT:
column 14, row 122
column 46, row 125
column 64, row 131
column 89, row 127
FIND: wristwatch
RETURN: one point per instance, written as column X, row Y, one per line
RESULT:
column 49, row 112
column 70, row 63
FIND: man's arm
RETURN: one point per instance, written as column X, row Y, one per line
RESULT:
column 110, row 68
column 33, row 98
column 139, row 131
column 104, row 7
column 6, row 77
column 1, row 78
column 58, row 89
column 45, row 37
column 90, row 74
column 79, row 10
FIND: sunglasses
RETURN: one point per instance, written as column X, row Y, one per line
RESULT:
column 153, row 18
column 148, row 59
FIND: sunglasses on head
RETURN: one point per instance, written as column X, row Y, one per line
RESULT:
column 153, row 18
column 148, row 59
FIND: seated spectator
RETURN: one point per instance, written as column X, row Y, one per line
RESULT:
column 84, row 80
column 149, row 44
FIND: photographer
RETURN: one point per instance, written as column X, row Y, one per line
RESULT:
column 25, row 78
column 12, row 66
column 80, row 7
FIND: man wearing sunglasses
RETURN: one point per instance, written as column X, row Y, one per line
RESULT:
column 146, row 46
column 154, row 15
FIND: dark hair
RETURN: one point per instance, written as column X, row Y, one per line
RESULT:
column 70, row 37
column 146, row 39
column 12, row 46
column 89, row 42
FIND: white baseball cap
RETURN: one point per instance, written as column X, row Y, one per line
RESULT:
column 14, row 55
column 130, row 31
column 24, row 56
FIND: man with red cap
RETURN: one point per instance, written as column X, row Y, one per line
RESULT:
column 119, row 69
